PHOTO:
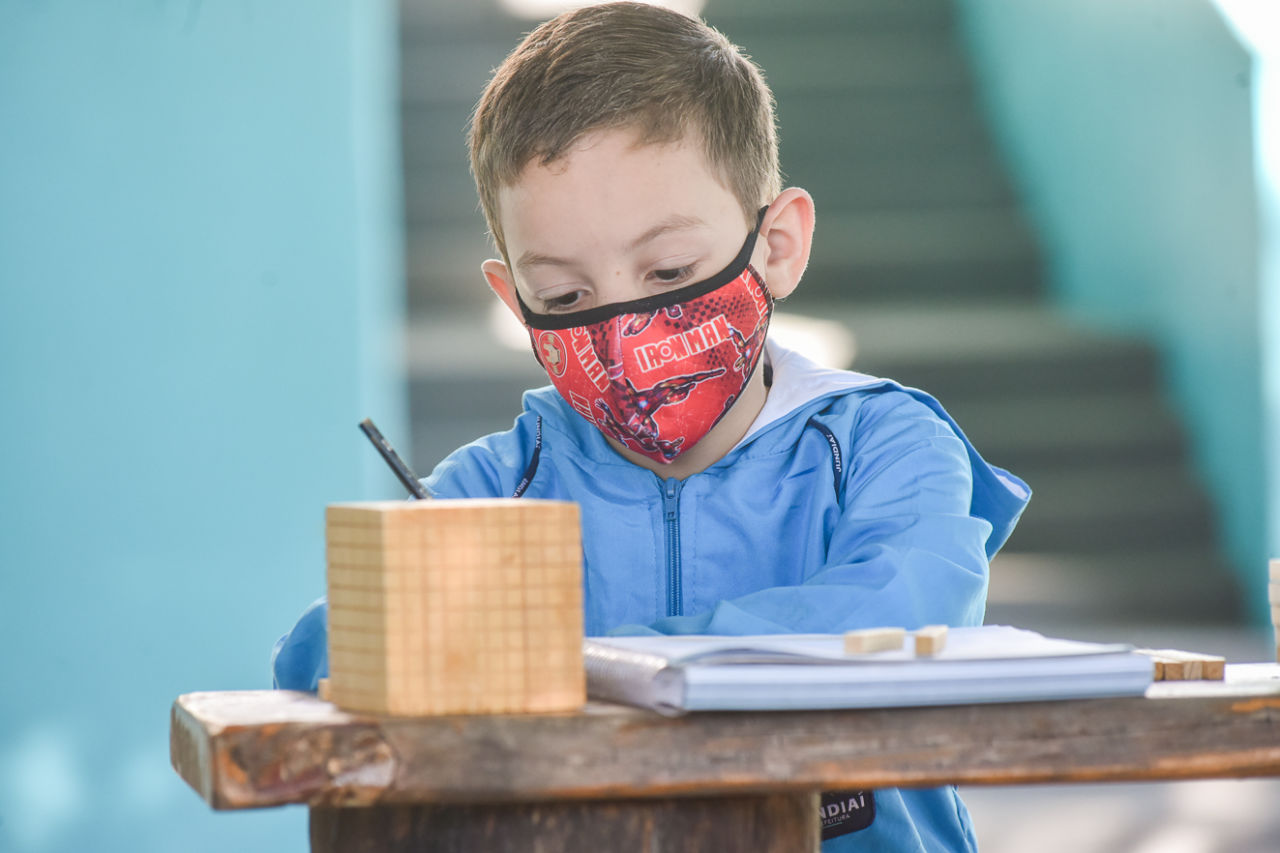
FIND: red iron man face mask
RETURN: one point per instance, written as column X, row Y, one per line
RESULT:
column 658, row 373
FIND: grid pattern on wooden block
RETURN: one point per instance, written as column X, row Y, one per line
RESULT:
column 464, row 606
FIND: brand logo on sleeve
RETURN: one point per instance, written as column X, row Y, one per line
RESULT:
column 843, row 812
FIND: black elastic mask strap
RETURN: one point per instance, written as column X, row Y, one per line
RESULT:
column 648, row 304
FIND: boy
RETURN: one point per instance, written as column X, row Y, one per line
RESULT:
column 626, row 161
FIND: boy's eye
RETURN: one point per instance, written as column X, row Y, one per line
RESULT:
column 673, row 275
column 563, row 302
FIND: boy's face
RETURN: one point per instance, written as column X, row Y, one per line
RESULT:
column 613, row 221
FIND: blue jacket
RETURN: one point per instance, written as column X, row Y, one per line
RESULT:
column 851, row 502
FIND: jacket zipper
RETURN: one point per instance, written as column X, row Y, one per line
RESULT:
column 671, row 515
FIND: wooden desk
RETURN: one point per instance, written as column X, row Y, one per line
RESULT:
column 613, row 778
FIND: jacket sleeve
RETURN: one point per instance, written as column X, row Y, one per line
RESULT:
column 301, row 657
column 906, row 550
column 488, row 467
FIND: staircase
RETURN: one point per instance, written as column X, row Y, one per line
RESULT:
column 921, row 250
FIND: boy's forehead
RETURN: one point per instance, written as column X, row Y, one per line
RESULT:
column 626, row 137
column 617, row 175
column 614, row 147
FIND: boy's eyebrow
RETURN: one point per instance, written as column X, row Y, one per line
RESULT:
column 677, row 222
column 534, row 259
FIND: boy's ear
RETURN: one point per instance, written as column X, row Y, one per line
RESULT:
column 501, row 283
column 788, row 232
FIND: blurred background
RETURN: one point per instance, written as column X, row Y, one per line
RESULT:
column 229, row 231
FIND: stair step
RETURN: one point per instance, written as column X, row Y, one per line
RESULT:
column 443, row 266
column 919, row 281
column 901, row 179
column 846, row 59
column 857, row 127
column 433, row 438
column 1113, row 367
column 435, row 134
column 444, row 20
column 985, row 348
column 1046, row 429
column 438, row 196
column 1096, row 508
column 920, row 237
column 451, row 73
column 740, row 17
column 458, row 390
column 1161, row 585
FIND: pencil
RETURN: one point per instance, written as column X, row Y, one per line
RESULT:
column 402, row 471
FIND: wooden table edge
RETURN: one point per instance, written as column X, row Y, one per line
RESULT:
column 255, row 749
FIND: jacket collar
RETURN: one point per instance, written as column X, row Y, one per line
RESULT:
column 797, row 382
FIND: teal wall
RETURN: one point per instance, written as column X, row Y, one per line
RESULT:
column 200, row 297
column 1128, row 127
column 1258, row 26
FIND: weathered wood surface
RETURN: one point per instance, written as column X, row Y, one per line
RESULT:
column 784, row 823
column 267, row 748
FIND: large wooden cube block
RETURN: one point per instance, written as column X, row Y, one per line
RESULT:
column 455, row 606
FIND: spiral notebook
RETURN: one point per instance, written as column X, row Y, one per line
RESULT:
column 991, row 663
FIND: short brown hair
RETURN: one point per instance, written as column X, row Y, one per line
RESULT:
column 621, row 65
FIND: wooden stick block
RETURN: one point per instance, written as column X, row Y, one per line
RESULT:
column 874, row 640
column 1275, row 614
column 1203, row 667
column 1273, row 593
column 1213, row 668
column 1274, row 567
column 1177, row 665
column 1167, row 668
column 322, row 689
column 930, row 639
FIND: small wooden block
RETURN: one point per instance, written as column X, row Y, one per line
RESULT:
column 322, row 689
column 1176, row 665
column 1275, row 614
column 1175, row 670
column 1213, row 668
column 1274, row 568
column 874, row 640
column 1166, row 668
column 930, row 639
column 1273, row 593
